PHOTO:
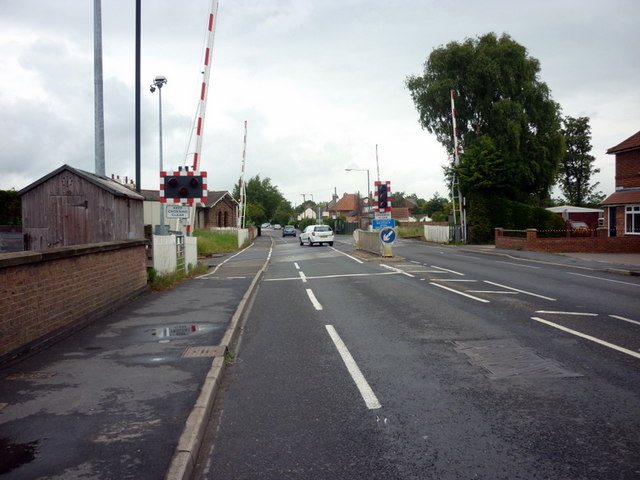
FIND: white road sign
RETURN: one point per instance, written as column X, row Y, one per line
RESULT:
column 177, row 211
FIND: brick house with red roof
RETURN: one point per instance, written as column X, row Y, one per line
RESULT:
column 622, row 208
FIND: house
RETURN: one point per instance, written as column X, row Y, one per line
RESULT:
column 349, row 206
column 72, row 207
column 622, row 208
column 219, row 211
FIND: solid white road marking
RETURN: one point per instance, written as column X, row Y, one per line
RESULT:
column 452, row 280
column 314, row 301
column 521, row 291
column 226, row 260
column 550, row 312
column 460, row 293
column 447, row 270
column 397, row 270
column 346, row 255
column 588, row 337
column 605, row 279
column 331, row 276
column 492, row 291
column 370, row 399
column 516, row 264
column 625, row 319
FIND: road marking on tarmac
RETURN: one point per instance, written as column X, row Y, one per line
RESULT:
column 588, row 337
column 460, row 293
column 520, row 291
column 370, row 399
column 625, row 319
column 604, row 279
column 314, row 301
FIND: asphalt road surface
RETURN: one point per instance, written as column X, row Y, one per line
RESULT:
column 439, row 365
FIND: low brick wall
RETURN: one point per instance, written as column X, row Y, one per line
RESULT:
column 599, row 244
column 44, row 294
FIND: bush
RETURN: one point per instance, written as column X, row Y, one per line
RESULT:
column 486, row 212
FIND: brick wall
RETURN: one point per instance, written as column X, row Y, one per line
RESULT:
column 44, row 294
column 600, row 244
column 628, row 169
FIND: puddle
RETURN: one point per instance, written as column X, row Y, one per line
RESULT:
column 175, row 331
column 13, row 455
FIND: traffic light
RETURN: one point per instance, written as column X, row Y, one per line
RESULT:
column 182, row 186
column 383, row 197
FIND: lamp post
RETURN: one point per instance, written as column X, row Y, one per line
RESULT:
column 368, row 183
column 158, row 83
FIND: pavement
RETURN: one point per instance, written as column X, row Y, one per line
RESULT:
column 129, row 396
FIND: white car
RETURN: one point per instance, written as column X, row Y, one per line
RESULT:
column 316, row 234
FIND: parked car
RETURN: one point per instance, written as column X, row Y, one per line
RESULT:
column 265, row 225
column 578, row 229
column 277, row 226
column 289, row 230
column 316, row 234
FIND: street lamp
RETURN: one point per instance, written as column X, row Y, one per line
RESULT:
column 158, row 83
column 368, row 183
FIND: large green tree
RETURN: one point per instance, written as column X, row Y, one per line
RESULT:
column 508, row 124
column 576, row 167
column 262, row 197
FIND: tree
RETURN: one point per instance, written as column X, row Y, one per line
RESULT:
column 576, row 167
column 10, row 208
column 262, row 199
column 503, row 110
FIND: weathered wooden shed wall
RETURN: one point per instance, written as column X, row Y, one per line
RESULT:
column 73, row 207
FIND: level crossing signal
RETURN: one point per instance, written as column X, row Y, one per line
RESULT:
column 183, row 186
column 383, row 199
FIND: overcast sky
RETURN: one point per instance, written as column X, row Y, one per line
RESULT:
column 320, row 83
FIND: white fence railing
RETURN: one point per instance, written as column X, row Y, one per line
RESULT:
column 165, row 253
column 439, row 233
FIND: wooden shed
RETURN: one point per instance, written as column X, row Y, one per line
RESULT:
column 73, row 207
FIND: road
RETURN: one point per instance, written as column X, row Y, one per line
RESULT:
column 441, row 365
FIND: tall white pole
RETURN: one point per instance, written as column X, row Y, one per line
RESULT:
column 241, row 210
column 97, row 88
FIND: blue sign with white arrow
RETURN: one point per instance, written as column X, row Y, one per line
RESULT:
column 388, row 235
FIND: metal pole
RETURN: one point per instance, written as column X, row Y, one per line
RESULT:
column 97, row 88
column 160, row 149
column 137, row 95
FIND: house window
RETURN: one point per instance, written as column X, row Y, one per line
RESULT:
column 632, row 220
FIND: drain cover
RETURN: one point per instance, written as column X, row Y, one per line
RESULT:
column 203, row 351
column 506, row 358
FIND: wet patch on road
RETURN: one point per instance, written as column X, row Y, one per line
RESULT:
column 13, row 455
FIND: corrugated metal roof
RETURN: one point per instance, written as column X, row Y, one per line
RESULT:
column 572, row 209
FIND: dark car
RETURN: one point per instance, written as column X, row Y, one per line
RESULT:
column 289, row 230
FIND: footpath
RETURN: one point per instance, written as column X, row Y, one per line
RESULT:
column 114, row 399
